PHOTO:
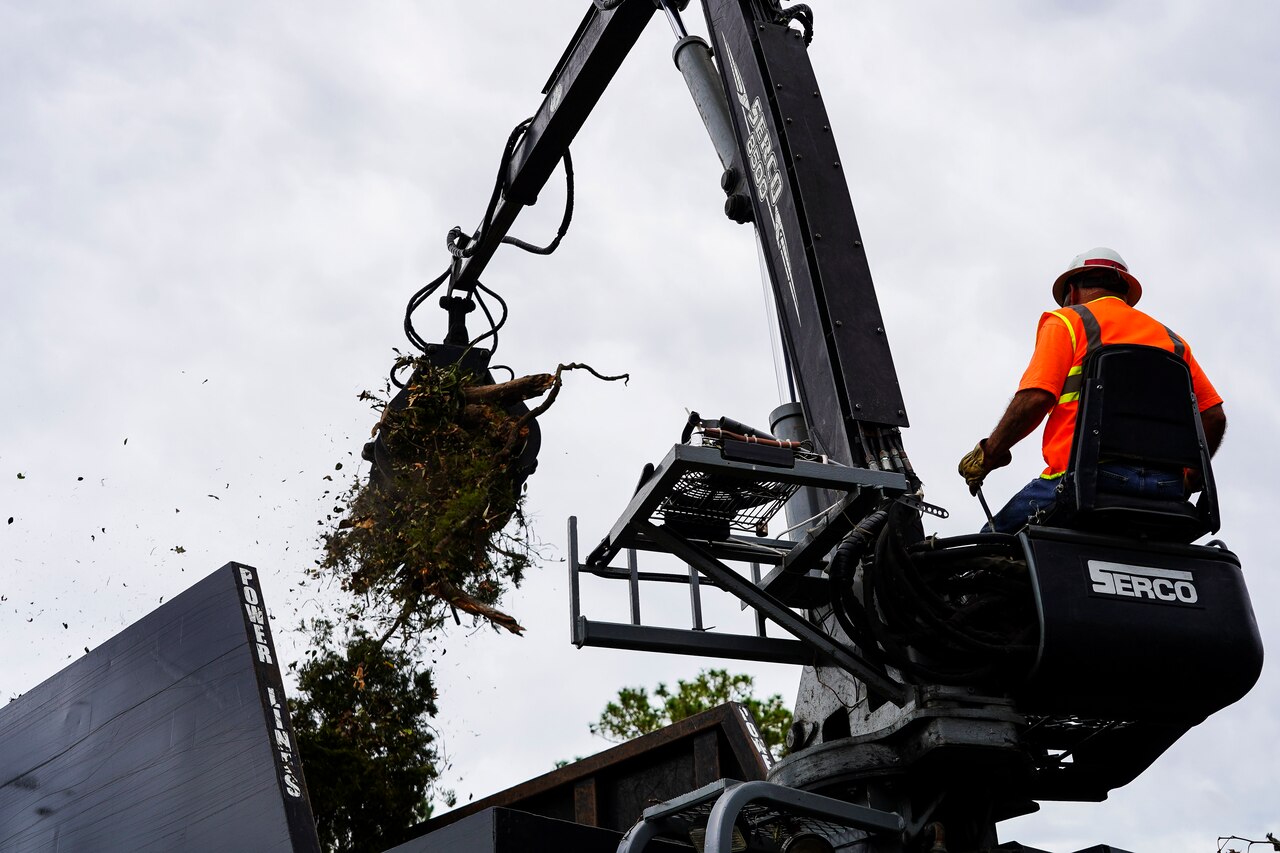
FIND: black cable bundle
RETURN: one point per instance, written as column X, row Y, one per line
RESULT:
column 953, row 612
column 799, row 12
column 462, row 247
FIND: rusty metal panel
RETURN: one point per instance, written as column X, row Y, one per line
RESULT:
column 612, row 788
column 498, row 830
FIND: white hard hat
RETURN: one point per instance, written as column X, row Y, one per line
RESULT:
column 1099, row 258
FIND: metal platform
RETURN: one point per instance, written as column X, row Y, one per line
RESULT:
column 704, row 490
column 688, row 506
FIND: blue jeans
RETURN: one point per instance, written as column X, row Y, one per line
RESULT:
column 1039, row 496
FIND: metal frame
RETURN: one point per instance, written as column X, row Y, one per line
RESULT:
column 648, row 638
column 767, row 803
column 811, row 635
column 602, row 42
column 684, row 458
column 637, row 528
column 766, row 119
column 827, row 304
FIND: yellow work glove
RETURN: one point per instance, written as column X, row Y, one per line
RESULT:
column 975, row 465
column 973, row 468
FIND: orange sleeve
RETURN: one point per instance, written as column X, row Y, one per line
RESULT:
column 1206, row 395
column 1055, row 351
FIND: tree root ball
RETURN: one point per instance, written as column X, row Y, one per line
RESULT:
column 439, row 525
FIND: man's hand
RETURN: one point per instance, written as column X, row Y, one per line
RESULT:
column 976, row 464
column 1026, row 410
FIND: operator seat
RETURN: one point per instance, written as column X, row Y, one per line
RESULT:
column 1137, row 407
column 1142, row 635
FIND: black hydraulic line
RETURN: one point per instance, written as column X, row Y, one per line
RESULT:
column 847, row 610
column 894, row 651
column 888, row 606
column 493, row 326
column 607, row 33
column 825, row 645
column 463, row 247
column 931, row 605
column 936, row 625
column 867, row 454
column 458, row 244
column 799, row 12
column 564, row 220
column 963, row 553
column 969, row 539
column 414, row 302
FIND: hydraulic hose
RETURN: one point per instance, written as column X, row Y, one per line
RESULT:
column 947, row 615
column 844, row 563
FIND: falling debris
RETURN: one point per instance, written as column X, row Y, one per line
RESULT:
column 178, row 549
column 439, row 526
column 21, row 476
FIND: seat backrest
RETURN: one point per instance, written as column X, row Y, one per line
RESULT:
column 1137, row 407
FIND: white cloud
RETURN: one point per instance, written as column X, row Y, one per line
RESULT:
column 247, row 194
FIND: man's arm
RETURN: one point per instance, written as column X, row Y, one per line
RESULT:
column 1214, row 420
column 1049, row 367
column 1026, row 410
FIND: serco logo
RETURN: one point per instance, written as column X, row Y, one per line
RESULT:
column 1166, row 585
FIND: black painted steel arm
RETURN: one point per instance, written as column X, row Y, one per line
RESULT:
column 785, row 170
column 602, row 42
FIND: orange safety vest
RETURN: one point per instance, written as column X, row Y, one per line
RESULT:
column 1109, row 320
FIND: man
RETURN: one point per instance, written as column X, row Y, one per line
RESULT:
column 1096, row 294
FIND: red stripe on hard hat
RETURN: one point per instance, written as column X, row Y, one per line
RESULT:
column 1105, row 262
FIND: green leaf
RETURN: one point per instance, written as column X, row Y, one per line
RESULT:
column 635, row 713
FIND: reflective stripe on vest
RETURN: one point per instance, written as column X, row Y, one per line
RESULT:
column 1064, row 410
column 1071, row 388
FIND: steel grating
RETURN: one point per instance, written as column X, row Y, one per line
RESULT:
column 701, row 497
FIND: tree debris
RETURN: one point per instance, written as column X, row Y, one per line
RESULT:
column 439, row 525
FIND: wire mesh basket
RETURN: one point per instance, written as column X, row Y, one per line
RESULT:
column 717, row 504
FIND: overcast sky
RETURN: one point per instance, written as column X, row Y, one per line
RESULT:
column 212, row 214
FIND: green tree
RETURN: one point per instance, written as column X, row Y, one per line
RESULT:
column 635, row 713
column 367, row 747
